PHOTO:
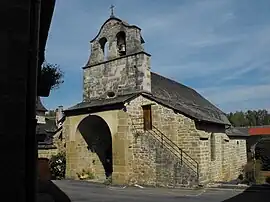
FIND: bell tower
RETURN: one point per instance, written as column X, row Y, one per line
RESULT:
column 117, row 64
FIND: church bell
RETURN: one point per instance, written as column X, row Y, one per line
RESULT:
column 122, row 46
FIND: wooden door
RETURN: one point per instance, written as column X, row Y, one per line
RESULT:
column 147, row 117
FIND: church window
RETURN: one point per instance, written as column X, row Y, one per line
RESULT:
column 213, row 147
column 121, row 43
column 104, row 47
column 147, row 117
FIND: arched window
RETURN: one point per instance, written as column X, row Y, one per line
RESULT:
column 213, row 147
column 105, row 48
column 121, row 43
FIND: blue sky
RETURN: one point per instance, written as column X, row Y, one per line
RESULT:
column 221, row 48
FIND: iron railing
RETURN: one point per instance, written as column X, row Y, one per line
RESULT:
column 169, row 144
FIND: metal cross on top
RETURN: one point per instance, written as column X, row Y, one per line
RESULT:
column 112, row 7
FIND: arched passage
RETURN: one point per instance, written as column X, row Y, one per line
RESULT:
column 96, row 133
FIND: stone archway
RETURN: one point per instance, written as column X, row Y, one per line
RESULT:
column 97, row 135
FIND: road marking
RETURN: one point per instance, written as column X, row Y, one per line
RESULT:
column 116, row 188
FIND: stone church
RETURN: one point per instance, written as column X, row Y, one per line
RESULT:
column 136, row 126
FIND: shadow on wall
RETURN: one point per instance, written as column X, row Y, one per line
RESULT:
column 210, row 128
column 97, row 135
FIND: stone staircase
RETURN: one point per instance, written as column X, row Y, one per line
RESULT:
column 184, row 170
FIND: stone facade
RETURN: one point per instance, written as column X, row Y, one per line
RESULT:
column 177, row 150
column 47, row 153
column 229, row 154
column 59, row 146
column 117, row 73
column 141, row 157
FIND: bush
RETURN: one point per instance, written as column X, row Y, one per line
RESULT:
column 86, row 175
column 252, row 172
column 58, row 166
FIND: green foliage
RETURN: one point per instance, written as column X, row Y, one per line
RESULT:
column 249, row 118
column 85, row 175
column 51, row 75
column 58, row 166
column 50, row 113
column 251, row 172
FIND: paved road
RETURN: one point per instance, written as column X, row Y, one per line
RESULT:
column 80, row 191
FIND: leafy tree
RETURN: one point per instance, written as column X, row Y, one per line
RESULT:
column 51, row 113
column 51, row 75
column 249, row 118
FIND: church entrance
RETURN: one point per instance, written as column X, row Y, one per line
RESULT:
column 97, row 135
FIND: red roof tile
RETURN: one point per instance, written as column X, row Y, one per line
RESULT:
column 259, row 131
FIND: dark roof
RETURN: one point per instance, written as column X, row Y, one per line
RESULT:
column 101, row 102
column 171, row 94
column 48, row 127
column 39, row 106
column 255, row 130
column 237, row 132
column 186, row 100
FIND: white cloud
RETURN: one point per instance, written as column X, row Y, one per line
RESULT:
column 236, row 93
column 198, row 27
column 203, row 40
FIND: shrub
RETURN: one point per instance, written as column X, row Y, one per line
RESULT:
column 85, row 175
column 58, row 166
column 252, row 172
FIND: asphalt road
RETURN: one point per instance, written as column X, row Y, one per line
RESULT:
column 80, row 191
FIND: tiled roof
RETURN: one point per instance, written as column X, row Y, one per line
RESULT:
column 101, row 102
column 259, row 131
column 48, row 127
column 186, row 100
column 237, row 132
column 172, row 94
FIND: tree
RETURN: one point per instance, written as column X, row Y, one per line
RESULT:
column 51, row 113
column 51, row 76
column 249, row 118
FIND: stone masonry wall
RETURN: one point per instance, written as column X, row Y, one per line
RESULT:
column 109, row 31
column 141, row 157
column 47, row 153
column 167, row 167
column 124, row 75
column 227, row 161
column 196, row 142
column 58, row 146
column 238, row 155
column 78, row 156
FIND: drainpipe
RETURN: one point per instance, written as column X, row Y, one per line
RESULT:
column 30, row 139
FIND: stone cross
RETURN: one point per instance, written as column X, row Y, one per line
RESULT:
column 112, row 7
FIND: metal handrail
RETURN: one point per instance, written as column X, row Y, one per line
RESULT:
column 174, row 144
column 193, row 162
column 177, row 151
